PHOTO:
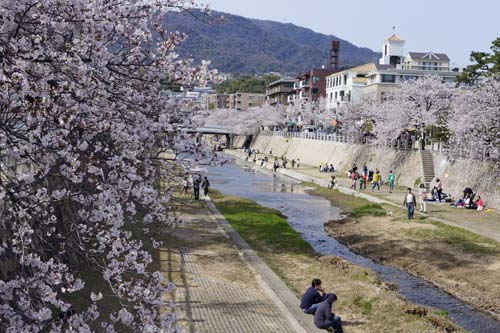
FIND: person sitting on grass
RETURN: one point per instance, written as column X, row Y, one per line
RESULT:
column 314, row 295
column 479, row 203
column 324, row 318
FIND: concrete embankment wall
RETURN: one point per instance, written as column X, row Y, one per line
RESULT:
column 407, row 166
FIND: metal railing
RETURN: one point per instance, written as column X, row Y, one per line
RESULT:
column 343, row 138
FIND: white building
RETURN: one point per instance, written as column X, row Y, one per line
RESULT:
column 394, row 66
column 347, row 86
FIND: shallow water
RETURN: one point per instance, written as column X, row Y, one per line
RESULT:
column 307, row 215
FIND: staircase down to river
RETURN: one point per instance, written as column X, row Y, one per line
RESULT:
column 427, row 167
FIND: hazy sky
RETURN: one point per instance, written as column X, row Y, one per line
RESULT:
column 455, row 27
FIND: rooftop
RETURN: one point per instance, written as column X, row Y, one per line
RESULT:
column 429, row 56
column 283, row 80
column 395, row 38
column 359, row 69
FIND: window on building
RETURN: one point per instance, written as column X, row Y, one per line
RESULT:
column 345, row 79
column 315, row 91
column 388, row 78
column 336, row 95
column 408, row 78
column 385, row 49
column 315, row 79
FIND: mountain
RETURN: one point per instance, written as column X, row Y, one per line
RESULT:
column 249, row 46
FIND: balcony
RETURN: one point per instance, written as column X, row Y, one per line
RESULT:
column 304, row 84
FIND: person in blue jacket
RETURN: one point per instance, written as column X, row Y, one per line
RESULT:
column 314, row 295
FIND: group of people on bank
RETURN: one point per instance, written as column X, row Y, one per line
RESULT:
column 195, row 182
column 319, row 303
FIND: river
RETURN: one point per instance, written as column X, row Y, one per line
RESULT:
column 307, row 214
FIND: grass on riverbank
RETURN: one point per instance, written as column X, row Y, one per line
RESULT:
column 365, row 303
column 459, row 238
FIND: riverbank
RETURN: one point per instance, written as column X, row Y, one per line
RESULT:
column 462, row 263
column 366, row 304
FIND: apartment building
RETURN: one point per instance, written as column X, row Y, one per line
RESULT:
column 218, row 101
column 347, row 86
column 244, row 101
column 277, row 92
column 394, row 67
column 310, row 86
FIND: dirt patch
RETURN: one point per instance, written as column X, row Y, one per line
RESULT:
column 469, row 269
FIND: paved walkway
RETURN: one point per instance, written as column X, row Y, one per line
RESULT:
column 218, row 289
column 486, row 224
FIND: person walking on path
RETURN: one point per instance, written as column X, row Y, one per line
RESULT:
column 333, row 182
column 364, row 177
column 313, row 296
column 410, row 202
column 185, row 185
column 293, row 163
column 353, row 178
column 298, row 163
column 196, row 188
column 376, row 181
column 276, row 164
column 422, row 193
column 439, row 186
column 390, row 179
column 324, row 318
column 205, row 185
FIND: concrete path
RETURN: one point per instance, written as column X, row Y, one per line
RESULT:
column 221, row 287
column 486, row 224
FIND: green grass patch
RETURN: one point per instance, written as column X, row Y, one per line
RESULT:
column 368, row 210
column 365, row 304
column 346, row 202
column 441, row 313
column 263, row 228
column 360, row 276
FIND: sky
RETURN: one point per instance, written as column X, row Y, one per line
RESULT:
column 454, row 27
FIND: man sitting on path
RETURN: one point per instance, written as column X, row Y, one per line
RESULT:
column 324, row 318
column 312, row 297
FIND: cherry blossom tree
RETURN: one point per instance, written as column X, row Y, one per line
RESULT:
column 475, row 122
column 83, row 125
column 414, row 103
column 310, row 113
column 244, row 122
